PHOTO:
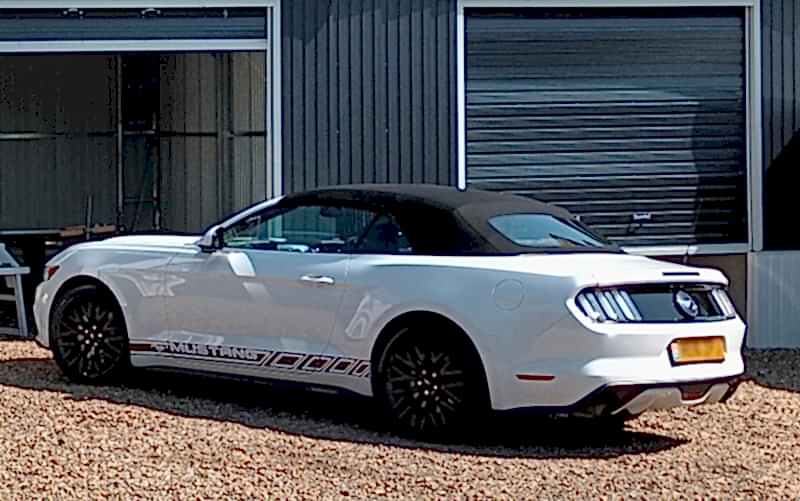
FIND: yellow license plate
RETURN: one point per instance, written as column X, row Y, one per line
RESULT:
column 697, row 350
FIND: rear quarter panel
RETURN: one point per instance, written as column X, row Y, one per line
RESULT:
column 501, row 303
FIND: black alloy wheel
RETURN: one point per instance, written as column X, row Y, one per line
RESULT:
column 88, row 336
column 430, row 383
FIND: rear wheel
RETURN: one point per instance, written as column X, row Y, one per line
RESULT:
column 88, row 336
column 430, row 382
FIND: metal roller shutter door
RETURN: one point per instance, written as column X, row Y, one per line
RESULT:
column 132, row 24
column 633, row 119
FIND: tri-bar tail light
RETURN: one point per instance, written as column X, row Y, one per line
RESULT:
column 724, row 301
column 608, row 305
column 654, row 303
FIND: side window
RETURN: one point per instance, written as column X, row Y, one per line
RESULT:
column 384, row 236
column 311, row 228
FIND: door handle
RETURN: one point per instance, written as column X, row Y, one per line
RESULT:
column 317, row 280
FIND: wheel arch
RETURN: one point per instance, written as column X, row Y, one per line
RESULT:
column 415, row 317
column 80, row 281
column 119, row 358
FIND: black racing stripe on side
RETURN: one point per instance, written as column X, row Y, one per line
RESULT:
column 191, row 358
column 265, row 361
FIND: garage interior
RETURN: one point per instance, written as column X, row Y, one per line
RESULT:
column 182, row 137
column 150, row 121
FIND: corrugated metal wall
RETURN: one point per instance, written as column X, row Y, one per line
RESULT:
column 775, row 300
column 368, row 92
column 775, row 276
column 780, row 39
column 56, row 140
column 780, row 44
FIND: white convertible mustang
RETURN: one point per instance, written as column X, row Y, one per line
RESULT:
column 439, row 303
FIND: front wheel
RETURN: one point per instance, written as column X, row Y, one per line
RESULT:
column 430, row 383
column 88, row 336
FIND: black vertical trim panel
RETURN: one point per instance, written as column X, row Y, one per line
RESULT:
column 795, row 68
column 309, row 56
column 367, row 168
column 369, row 92
column 298, row 99
column 405, row 89
column 452, row 62
column 446, row 59
column 380, row 102
column 777, row 87
column 766, row 79
column 356, row 93
column 416, row 44
column 322, row 126
column 333, row 96
column 287, row 105
column 393, row 48
column 788, row 79
column 429, row 91
column 345, row 98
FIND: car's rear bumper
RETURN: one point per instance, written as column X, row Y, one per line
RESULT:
column 634, row 399
column 563, row 367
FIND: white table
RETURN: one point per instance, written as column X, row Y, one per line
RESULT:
column 12, row 272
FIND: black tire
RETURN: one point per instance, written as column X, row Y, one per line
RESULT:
column 88, row 336
column 430, row 383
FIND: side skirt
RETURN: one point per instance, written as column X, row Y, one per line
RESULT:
column 272, row 383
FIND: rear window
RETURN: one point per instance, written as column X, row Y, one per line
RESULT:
column 544, row 231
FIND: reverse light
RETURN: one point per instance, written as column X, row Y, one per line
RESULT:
column 49, row 271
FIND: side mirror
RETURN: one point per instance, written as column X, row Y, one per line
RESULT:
column 213, row 240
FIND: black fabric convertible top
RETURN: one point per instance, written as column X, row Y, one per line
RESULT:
column 437, row 219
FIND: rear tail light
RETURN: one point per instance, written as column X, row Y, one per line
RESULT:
column 608, row 305
column 653, row 303
column 724, row 302
column 49, row 271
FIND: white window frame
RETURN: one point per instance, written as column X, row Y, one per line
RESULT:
column 271, row 47
column 753, row 106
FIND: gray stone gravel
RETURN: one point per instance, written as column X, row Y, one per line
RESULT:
column 167, row 437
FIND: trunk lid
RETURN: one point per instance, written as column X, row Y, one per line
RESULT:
column 616, row 269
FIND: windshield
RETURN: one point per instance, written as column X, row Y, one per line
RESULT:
column 544, row 231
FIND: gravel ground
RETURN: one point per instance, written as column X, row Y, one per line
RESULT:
column 175, row 437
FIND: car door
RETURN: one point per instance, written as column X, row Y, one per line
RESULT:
column 379, row 267
column 269, row 297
